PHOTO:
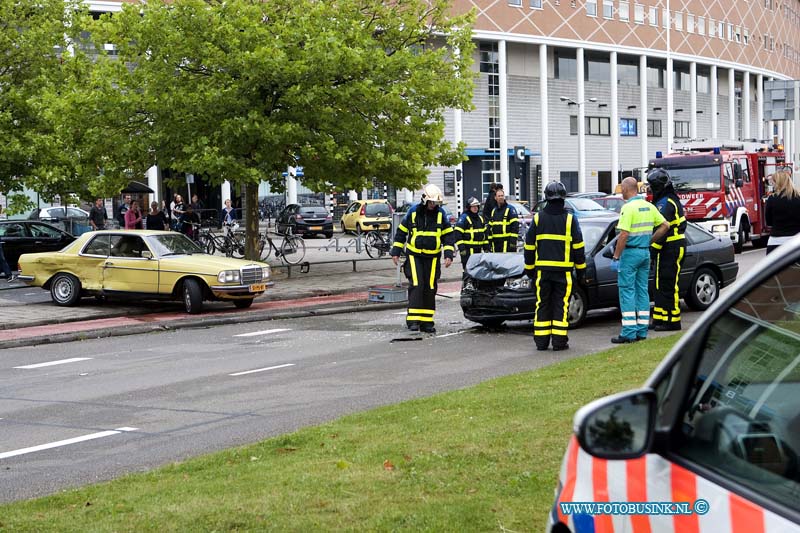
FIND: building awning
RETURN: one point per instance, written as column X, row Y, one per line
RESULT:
column 483, row 152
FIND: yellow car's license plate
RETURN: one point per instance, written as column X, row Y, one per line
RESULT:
column 316, row 228
column 258, row 287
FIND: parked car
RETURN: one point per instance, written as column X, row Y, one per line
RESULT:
column 51, row 214
column 143, row 264
column 580, row 207
column 612, row 202
column 361, row 214
column 495, row 289
column 305, row 220
column 451, row 217
column 590, row 195
column 716, row 426
column 25, row 236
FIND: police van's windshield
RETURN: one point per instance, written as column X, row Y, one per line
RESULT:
column 692, row 179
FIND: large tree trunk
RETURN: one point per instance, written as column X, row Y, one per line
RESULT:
column 251, row 230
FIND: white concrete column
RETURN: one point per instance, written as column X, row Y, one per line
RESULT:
column 581, row 122
column 544, row 130
column 746, row 105
column 225, row 193
column 291, row 186
column 731, row 104
column 796, row 123
column 781, row 139
column 770, row 124
column 615, row 123
column 353, row 195
column 409, row 196
column 670, row 104
column 459, row 166
column 693, row 100
column 503, row 105
column 714, row 96
column 760, row 107
column 645, row 158
column 788, row 132
column 154, row 182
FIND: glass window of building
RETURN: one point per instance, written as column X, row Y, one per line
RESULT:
column 738, row 34
column 627, row 72
column 681, row 129
column 689, row 23
column 515, row 3
column 624, row 14
column 653, row 128
column 628, row 127
column 730, row 31
column 653, row 16
column 712, row 28
column 721, row 29
column 594, row 125
column 681, row 79
column 591, row 8
column 488, row 57
column 665, row 17
column 608, row 9
column 566, row 66
column 655, row 77
column 703, row 83
column 536, row 4
column 746, row 36
column 678, row 21
column 597, row 67
column 638, row 14
column 701, row 26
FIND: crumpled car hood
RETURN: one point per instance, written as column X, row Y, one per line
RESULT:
column 494, row 267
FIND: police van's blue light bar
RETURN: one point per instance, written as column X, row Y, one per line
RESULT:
column 716, row 150
column 659, row 155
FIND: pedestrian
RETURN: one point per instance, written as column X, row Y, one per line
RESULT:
column 3, row 263
column 668, row 252
column 631, row 260
column 553, row 248
column 133, row 216
column 424, row 234
column 177, row 212
column 503, row 225
column 156, row 219
column 471, row 232
column 782, row 210
column 123, row 208
column 190, row 221
column 491, row 202
column 98, row 217
column 228, row 217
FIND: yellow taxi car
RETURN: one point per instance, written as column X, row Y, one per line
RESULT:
column 360, row 214
column 162, row 265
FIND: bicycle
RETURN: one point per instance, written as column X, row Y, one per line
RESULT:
column 231, row 243
column 376, row 243
column 292, row 249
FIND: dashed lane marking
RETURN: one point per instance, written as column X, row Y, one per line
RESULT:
column 66, row 442
column 449, row 334
column 54, row 363
column 261, row 370
column 264, row 332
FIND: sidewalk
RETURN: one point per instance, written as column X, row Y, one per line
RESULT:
column 327, row 288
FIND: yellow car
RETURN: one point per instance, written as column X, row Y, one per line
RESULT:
column 360, row 214
column 147, row 265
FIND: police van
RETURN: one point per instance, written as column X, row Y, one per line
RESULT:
column 711, row 443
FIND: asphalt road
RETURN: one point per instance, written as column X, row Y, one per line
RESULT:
column 111, row 406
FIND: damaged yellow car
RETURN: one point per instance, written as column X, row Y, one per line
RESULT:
column 143, row 265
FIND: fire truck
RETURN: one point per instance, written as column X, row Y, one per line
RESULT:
column 723, row 185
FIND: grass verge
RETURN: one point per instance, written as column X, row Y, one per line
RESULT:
column 478, row 459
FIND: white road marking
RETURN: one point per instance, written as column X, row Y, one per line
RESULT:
column 31, row 293
column 57, row 444
column 449, row 334
column 754, row 251
column 260, row 370
column 265, row 332
column 53, row 363
column 400, row 313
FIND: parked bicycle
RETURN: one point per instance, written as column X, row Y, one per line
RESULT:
column 377, row 242
column 230, row 242
column 292, row 250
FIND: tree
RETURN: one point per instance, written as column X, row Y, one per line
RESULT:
column 34, row 36
column 242, row 89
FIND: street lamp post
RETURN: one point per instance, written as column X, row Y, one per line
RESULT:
column 581, row 138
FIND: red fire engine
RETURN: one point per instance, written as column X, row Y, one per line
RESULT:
column 723, row 185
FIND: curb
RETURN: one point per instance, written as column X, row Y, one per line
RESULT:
column 196, row 324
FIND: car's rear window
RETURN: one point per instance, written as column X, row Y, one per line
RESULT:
column 313, row 212
column 378, row 210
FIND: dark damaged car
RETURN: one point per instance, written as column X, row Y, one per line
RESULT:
column 495, row 288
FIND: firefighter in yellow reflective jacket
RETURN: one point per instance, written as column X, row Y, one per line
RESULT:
column 503, row 226
column 668, row 252
column 553, row 247
column 471, row 232
column 424, row 233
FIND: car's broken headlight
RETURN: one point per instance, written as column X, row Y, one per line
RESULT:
column 518, row 283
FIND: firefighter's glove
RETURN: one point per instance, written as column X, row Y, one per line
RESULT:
column 615, row 265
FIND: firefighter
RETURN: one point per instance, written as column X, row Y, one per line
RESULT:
column 424, row 233
column 503, row 226
column 471, row 232
column 553, row 247
column 668, row 252
column 631, row 260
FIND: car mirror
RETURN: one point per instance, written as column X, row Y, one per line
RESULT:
column 618, row 426
column 147, row 254
column 608, row 252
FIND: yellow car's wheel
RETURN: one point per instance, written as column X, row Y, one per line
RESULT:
column 65, row 290
column 192, row 296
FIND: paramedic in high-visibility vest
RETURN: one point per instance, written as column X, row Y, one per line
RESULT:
column 668, row 252
column 503, row 226
column 424, row 234
column 631, row 260
column 553, row 249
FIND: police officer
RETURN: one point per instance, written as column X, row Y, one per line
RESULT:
column 424, row 233
column 631, row 260
column 503, row 225
column 471, row 232
column 553, row 247
column 668, row 252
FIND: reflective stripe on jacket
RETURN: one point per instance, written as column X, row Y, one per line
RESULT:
column 424, row 233
column 503, row 223
column 471, row 234
column 671, row 209
column 554, row 242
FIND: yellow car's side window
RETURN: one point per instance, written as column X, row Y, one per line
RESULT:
column 99, row 245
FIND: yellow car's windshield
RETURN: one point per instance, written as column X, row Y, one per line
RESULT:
column 174, row 244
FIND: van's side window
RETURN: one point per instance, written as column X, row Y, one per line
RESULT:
column 743, row 417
